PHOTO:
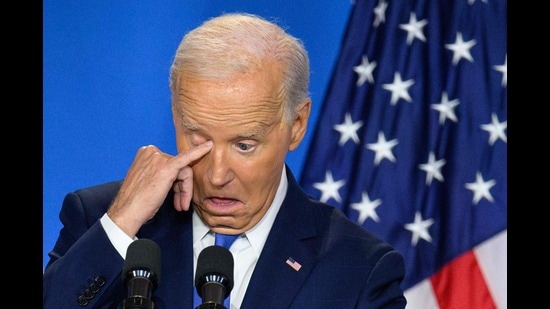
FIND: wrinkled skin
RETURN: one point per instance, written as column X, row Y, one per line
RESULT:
column 232, row 141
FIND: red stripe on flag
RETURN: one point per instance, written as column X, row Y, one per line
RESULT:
column 461, row 283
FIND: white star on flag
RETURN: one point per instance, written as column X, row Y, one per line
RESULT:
column 433, row 168
column 495, row 129
column 382, row 148
column 461, row 49
column 414, row 29
column 503, row 68
column 481, row 188
column 348, row 130
column 419, row 228
column 367, row 208
column 330, row 188
column 399, row 88
column 380, row 13
column 364, row 70
column 446, row 108
column 470, row 2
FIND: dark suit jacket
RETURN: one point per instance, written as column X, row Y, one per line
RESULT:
column 343, row 265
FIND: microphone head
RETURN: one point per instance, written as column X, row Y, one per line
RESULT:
column 215, row 263
column 142, row 255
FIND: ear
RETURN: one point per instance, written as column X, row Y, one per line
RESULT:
column 299, row 125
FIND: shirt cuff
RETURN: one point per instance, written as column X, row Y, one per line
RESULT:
column 118, row 238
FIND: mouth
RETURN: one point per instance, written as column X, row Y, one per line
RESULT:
column 221, row 204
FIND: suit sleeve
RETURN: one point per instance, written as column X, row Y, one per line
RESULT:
column 382, row 288
column 84, row 270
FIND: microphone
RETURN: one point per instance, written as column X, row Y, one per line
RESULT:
column 214, row 277
column 141, row 273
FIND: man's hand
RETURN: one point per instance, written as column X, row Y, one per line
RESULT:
column 152, row 174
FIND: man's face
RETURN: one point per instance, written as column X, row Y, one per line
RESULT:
column 235, row 183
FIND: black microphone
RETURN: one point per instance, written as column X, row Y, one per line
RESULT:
column 214, row 277
column 141, row 273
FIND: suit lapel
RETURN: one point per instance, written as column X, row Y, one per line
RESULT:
column 293, row 236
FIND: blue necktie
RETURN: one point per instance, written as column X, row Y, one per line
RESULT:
column 225, row 241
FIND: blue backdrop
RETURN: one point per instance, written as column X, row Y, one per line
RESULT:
column 106, row 81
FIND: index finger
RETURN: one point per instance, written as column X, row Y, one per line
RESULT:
column 187, row 156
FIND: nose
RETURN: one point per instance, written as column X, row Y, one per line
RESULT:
column 218, row 167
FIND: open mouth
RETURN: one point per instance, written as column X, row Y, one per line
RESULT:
column 220, row 204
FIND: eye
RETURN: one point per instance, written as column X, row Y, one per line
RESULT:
column 245, row 147
column 196, row 139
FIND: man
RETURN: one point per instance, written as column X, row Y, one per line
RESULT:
column 240, row 102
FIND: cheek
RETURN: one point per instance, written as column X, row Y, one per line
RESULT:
column 263, row 167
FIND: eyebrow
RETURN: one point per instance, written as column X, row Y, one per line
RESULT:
column 189, row 126
column 257, row 131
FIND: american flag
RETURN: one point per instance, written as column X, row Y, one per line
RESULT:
column 292, row 263
column 411, row 142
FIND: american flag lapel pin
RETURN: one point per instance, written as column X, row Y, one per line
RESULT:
column 292, row 263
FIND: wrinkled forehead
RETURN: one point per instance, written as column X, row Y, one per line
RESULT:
column 246, row 99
